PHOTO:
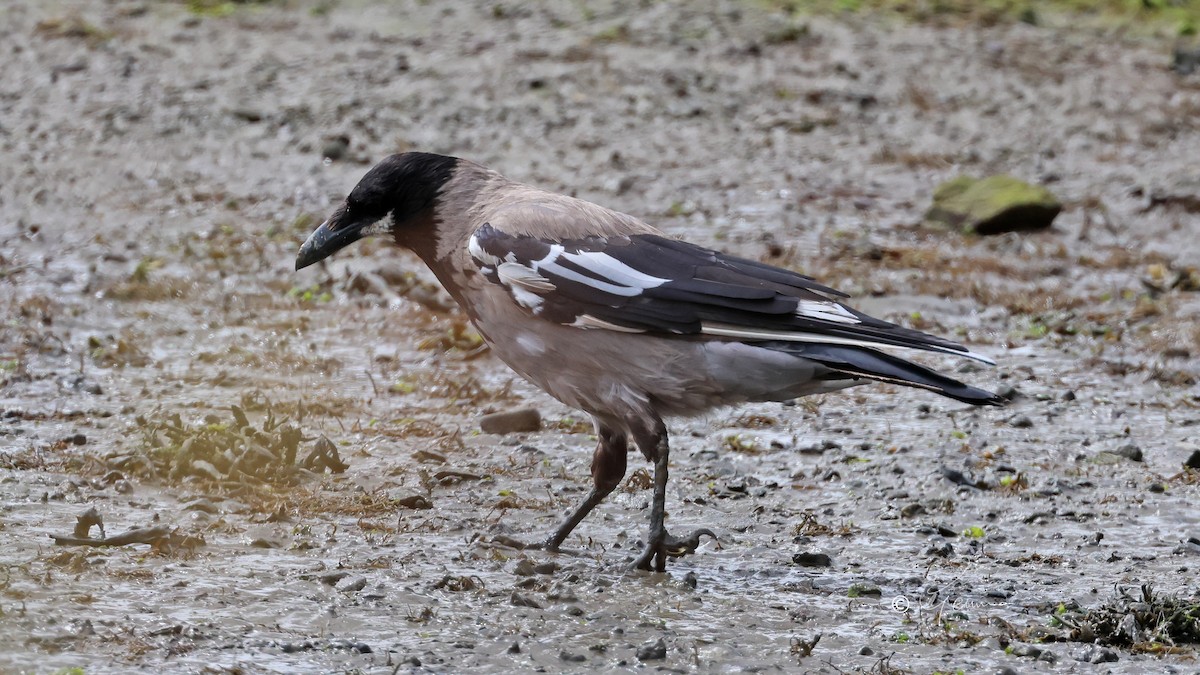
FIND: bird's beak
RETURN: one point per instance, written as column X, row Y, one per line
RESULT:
column 325, row 240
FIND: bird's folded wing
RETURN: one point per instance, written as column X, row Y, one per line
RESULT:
column 647, row 283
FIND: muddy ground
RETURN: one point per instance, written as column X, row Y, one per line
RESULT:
column 161, row 165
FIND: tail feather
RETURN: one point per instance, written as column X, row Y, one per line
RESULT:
column 877, row 365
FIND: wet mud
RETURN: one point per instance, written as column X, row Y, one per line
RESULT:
column 300, row 457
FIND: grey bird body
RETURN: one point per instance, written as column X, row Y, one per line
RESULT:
column 598, row 371
column 609, row 316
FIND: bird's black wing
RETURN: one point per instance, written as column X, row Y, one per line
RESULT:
column 646, row 283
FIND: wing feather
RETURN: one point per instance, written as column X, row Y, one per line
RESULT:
column 649, row 283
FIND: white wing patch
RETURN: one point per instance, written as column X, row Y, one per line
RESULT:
column 622, row 280
column 825, row 310
column 614, row 270
column 479, row 254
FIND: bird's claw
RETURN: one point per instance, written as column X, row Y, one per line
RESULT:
column 658, row 549
column 677, row 548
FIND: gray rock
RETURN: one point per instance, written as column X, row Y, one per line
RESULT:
column 1129, row 451
column 1095, row 654
column 812, row 560
column 351, row 584
column 652, row 651
column 1193, row 460
column 992, row 205
column 1020, row 421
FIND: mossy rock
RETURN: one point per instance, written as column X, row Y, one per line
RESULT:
column 992, row 205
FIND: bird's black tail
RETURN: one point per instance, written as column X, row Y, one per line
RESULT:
column 877, row 365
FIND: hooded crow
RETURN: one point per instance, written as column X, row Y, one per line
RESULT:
column 610, row 316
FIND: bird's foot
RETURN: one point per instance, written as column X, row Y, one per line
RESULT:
column 551, row 545
column 662, row 546
column 511, row 542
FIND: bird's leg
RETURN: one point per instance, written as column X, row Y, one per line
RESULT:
column 608, row 468
column 660, row 545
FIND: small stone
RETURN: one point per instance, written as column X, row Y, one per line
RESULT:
column 409, row 500
column 331, row 578
column 511, row 421
column 362, row 648
column 1185, row 61
column 1069, row 396
column 514, row 648
column 999, row 593
column 247, row 114
column 78, row 439
column 942, row 550
column 571, row 657
column 992, row 205
column 524, row 568
column 1029, row 651
column 1193, row 462
column 690, row 579
column 912, row 509
column 812, row 560
column 335, row 148
column 1129, row 451
column 1008, row 392
column 866, row 651
column 351, row 584
column 1095, row 654
column 652, row 651
column 1020, row 421
column 522, row 600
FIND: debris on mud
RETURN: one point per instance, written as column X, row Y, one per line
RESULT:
column 162, row 538
column 225, row 453
column 992, row 205
column 1137, row 619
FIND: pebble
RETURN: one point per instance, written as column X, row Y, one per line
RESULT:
column 335, row 148
column 1193, row 462
column 522, row 600
column 812, row 560
column 571, row 656
column 1129, row 451
column 1020, row 421
column 652, row 651
column 351, row 584
column 511, row 421
column 1029, row 651
column 1095, row 654
column 1008, row 392
column 943, row 550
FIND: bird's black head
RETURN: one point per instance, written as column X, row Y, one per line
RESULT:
column 403, row 185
